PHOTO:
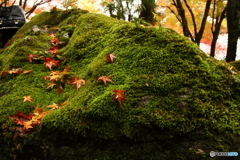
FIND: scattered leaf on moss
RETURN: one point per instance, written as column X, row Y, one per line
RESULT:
column 110, row 57
column 119, row 96
column 55, row 41
column 53, row 50
column 27, row 98
column 49, row 62
column 105, row 79
column 53, row 106
column 31, row 57
column 15, row 71
column 51, row 85
column 3, row 73
column 27, row 71
column 77, row 82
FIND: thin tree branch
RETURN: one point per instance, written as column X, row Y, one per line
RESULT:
column 181, row 12
column 204, row 20
column 35, row 5
column 13, row 2
column 193, row 17
column 172, row 11
column 24, row 4
column 213, row 15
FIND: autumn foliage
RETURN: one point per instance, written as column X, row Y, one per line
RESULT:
column 105, row 79
column 119, row 96
column 159, row 88
column 27, row 122
column 110, row 57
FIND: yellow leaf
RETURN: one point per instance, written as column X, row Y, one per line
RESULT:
column 27, row 71
column 27, row 98
column 53, row 106
column 27, row 125
column 51, row 85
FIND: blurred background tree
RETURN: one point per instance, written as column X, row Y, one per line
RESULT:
column 233, row 23
column 200, row 20
column 130, row 9
column 28, row 6
column 68, row 4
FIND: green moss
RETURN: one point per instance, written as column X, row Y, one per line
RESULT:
column 176, row 97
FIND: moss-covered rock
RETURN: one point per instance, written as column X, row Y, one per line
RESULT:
column 180, row 104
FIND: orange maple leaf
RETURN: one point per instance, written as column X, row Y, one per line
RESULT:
column 53, row 106
column 105, row 79
column 15, row 71
column 53, row 50
column 38, row 114
column 110, row 57
column 27, row 71
column 58, row 78
column 55, row 41
column 77, row 82
column 31, row 57
column 51, row 85
column 27, row 125
column 39, row 111
column 49, row 62
column 55, row 76
column 119, row 96
column 27, row 98
column 28, row 121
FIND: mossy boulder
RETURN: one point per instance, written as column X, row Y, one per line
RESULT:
column 180, row 104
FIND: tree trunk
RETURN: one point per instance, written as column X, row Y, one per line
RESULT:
column 216, row 31
column 20, row 3
column 213, row 44
column 181, row 12
column 233, row 29
column 199, row 35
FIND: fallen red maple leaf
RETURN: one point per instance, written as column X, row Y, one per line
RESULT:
column 15, row 71
column 55, row 41
column 49, row 62
column 110, row 57
column 3, row 73
column 105, row 79
column 31, row 57
column 60, row 88
column 77, row 82
column 19, row 121
column 53, row 50
column 20, row 114
column 28, row 121
column 54, row 76
column 119, row 96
